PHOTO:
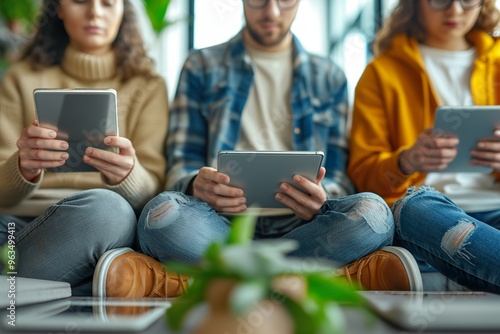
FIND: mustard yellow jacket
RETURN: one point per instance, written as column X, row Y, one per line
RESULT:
column 395, row 101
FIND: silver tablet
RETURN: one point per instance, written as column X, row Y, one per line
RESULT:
column 87, row 314
column 451, row 311
column 260, row 173
column 470, row 124
column 82, row 117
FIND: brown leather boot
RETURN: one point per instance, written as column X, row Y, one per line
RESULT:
column 128, row 274
column 391, row 268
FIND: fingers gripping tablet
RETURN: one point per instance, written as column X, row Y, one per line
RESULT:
column 260, row 173
column 470, row 124
column 82, row 117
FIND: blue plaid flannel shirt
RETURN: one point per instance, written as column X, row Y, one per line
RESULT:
column 213, row 88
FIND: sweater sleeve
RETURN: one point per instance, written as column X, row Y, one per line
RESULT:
column 148, row 129
column 14, row 117
column 373, row 164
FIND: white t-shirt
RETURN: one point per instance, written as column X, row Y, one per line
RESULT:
column 266, row 123
column 450, row 72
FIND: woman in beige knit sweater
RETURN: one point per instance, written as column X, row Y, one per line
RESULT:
column 63, row 222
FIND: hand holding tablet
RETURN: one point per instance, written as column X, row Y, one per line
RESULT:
column 470, row 125
column 81, row 117
column 260, row 173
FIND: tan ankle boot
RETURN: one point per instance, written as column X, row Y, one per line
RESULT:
column 391, row 268
column 128, row 274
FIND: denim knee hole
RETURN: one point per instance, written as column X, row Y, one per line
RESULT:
column 455, row 239
column 374, row 212
column 162, row 214
column 411, row 193
column 165, row 213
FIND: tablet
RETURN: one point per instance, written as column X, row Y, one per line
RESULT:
column 420, row 311
column 470, row 124
column 260, row 173
column 82, row 117
column 24, row 291
column 79, row 314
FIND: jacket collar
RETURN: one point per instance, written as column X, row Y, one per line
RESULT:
column 405, row 47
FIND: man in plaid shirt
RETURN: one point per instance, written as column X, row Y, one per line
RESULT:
column 262, row 91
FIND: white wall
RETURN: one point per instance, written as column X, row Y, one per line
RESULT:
column 216, row 21
column 170, row 49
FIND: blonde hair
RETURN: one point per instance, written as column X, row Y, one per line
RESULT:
column 404, row 19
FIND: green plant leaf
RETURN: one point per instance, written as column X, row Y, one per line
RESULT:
column 24, row 10
column 242, row 230
column 332, row 288
column 4, row 257
column 180, row 308
column 332, row 319
column 157, row 10
column 213, row 256
column 304, row 322
column 246, row 295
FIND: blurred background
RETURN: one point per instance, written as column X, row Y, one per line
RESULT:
column 340, row 29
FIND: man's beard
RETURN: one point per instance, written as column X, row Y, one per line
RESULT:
column 262, row 41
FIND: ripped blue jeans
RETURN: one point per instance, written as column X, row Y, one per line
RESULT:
column 463, row 247
column 174, row 226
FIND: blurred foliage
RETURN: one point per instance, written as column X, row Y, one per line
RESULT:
column 254, row 266
column 14, row 10
column 157, row 10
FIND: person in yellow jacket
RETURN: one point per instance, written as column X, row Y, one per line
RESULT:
column 431, row 53
column 61, row 223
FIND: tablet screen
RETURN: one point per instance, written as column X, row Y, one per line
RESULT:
column 88, row 314
column 81, row 117
column 470, row 124
column 260, row 173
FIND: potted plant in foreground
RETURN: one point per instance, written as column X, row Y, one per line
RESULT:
column 251, row 286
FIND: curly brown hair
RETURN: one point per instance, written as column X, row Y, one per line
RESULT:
column 47, row 46
column 404, row 19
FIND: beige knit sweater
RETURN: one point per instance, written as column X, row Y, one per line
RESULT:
column 142, row 114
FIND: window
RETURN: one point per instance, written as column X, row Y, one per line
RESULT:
column 216, row 21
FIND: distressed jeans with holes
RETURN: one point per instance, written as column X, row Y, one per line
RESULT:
column 174, row 226
column 464, row 247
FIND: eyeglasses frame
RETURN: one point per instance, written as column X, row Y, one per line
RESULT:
column 266, row 2
column 450, row 2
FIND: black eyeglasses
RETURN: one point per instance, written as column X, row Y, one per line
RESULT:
column 445, row 4
column 282, row 4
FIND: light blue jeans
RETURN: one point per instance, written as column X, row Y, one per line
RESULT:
column 463, row 247
column 174, row 226
column 65, row 243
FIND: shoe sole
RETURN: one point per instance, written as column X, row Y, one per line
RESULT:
column 101, row 270
column 411, row 266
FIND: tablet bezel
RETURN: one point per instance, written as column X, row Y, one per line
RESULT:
column 436, row 310
column 99, row 121
column 470, row 124
column 260, row 173
column 89, row 314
